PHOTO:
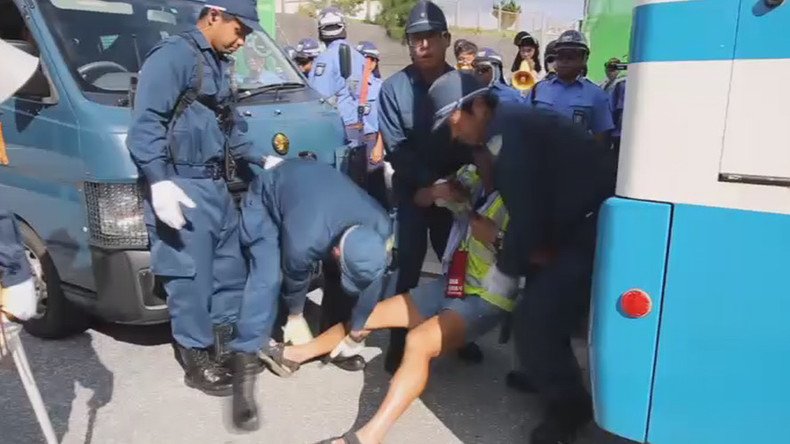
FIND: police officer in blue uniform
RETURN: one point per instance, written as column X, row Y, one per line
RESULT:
column 617, row 101
column 326, row 76
column 488, row 67
column 185, row 138
column 418, row 156
column 288, row 214
column 552, row 176
column 307, row 50
column 369, row 106
column 570, row 93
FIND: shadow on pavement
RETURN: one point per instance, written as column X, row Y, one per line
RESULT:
column 145, row 335
column 63, row 370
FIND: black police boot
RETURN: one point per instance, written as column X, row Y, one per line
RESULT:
column 223, row 334
column 520, row 381
column 245, row 409
column 471, row 353
column 395, row 351
column 203, row 373
column 564, row 421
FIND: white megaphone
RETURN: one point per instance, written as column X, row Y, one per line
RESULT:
column 17, row 68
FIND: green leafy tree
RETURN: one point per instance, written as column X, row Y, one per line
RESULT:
column 393, row 17
column 348, row 7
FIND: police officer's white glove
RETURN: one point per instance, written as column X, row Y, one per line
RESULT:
column 499, row 283
column 347, row 348
column 167, row 198
column 19, row 300
column 297, row 331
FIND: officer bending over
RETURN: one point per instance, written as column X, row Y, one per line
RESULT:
column 570, row 93
column 444, row 314
column 289, row 214
column 184, row 138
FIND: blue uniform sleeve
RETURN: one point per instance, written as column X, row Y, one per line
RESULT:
column 372, row 118
column 14, row 268
column 166, row 73
column 299, row 256
column 602, row 115
column 400, row 153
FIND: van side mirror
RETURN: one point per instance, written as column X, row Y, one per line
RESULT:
column 345, row 61
column 38, row 85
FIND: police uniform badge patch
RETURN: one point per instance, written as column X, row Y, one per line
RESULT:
column 319, row 69
column 367, row 109
column 580, row 117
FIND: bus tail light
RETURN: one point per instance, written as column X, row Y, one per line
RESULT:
column 635, row 304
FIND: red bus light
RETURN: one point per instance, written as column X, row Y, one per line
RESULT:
column 635, row 304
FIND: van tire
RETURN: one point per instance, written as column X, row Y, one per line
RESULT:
column 61, row 318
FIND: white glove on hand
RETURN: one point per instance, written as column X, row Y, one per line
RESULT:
column 19, row 300
column 499, row 283
column 347, row 348
column 167, row 198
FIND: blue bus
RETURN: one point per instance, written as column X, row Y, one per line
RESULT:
column 690, row 323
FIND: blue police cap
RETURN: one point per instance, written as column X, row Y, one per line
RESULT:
column 488, row 55
column 244, row 11
column 571, row 40
column 331, row 23
column 308, row 48
column 426, row 16
column 368, row 49
column 451, row 91
column 363, row 258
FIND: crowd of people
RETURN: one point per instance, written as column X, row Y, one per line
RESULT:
column 504, row 183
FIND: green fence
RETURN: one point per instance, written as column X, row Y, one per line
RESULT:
column 607, row 25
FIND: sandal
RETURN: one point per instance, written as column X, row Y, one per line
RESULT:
column 348, row 438
column 277, row 363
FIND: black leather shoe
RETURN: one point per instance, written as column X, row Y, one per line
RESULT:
column 471, row 353
column 351, row 364
column 245, row 408
column 203, row 373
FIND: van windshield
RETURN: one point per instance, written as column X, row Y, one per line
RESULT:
column 105, row 42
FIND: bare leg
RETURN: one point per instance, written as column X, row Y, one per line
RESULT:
column 437, row 335
column 397, row 311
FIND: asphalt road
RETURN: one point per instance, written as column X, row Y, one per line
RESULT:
column 120, row 384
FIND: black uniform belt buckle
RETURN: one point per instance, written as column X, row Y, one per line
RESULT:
column 215, row 171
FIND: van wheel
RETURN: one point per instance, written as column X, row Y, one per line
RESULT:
column 56, row 316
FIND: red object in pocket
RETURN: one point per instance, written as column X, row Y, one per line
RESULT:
column 456, row 275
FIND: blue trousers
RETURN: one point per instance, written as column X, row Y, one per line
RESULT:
column 202, row 265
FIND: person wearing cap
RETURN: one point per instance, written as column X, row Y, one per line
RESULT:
column 612, row 74
column 528, row 49
column 307, row 50
column 369, row 105
column 488, row 68
column 570, row 93
column 184, row 96
column 465, row 52
column 418, row 156
column 550, row 60
column 326, row 77
column 287, row 214
column 17, row 287
column 550, row 238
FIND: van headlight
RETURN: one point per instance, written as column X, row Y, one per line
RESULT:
column 115, row 215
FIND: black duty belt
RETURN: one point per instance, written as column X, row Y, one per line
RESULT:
column 213, row 171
